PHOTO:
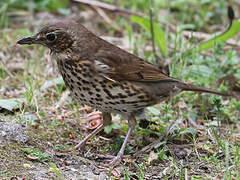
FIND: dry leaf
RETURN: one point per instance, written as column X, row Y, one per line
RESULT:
column 152, row 156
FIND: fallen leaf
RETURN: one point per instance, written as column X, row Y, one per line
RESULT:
column 27, row 166
column 53, row 82
column 32, row 157
column 11, row 104
column 152, row 156
column 182, row 105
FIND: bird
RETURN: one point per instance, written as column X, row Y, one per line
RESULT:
column 101, row 75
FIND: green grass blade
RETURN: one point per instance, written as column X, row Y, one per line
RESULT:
column 159, row 35
column 222, row 37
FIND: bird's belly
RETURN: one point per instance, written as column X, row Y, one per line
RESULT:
column 110, row 96
column 95, row 90
column 106, row 95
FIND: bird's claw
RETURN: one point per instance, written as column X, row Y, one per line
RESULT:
column 115, row 161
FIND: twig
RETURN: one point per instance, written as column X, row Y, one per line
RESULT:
column 106, row 18
column 109, row 7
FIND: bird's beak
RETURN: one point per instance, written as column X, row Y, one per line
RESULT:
column 28, row 40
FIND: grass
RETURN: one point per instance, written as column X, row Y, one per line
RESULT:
column 212, row 152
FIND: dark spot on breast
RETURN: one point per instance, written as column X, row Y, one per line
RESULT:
column 120, row 95
column 97, row 89
column 89, row 75
column 85, row 82
column 66, row 82
column 132, row 102
column 103, row 85
column 68, row 75
column 69, row 62
column 99, row 99
column 127, row 91
column 91, row 102
column 135, row 105
column 122, row 101
column 135, row 89
column 95, row 80
column 64, row 75
column 83, row 99
column 74, row 73
column 109, row 93
column 69, row 67
column 133, row 94
column 115, row 84
column 91, row 71
column 90, row 92
column 79, row 78
column 86, row 88
column 71, row 87
column 141, row 97
column 78, row 70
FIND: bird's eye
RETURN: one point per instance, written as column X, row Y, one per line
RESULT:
column 51, row 37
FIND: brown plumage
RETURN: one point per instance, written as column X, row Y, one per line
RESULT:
column 103, row 76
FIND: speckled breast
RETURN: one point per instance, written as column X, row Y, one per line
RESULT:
column 96, row 91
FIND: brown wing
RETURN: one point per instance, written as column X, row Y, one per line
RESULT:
column 120, row 65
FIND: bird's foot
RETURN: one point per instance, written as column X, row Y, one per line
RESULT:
column 114, row 160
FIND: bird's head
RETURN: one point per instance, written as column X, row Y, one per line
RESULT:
column 58, row 37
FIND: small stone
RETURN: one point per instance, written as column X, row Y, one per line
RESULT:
column 27, row 166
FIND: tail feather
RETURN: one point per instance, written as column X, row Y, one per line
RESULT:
column 189, row 87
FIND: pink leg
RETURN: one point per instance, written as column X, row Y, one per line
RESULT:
column 119, row 156
column 131, row 124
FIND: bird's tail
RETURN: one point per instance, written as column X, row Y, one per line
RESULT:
column 190, row 87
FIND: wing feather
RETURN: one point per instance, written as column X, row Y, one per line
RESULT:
column 125, row 66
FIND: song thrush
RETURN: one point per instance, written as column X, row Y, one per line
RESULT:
column 103, row 76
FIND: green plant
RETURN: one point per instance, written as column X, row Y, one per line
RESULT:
column 36, row 154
